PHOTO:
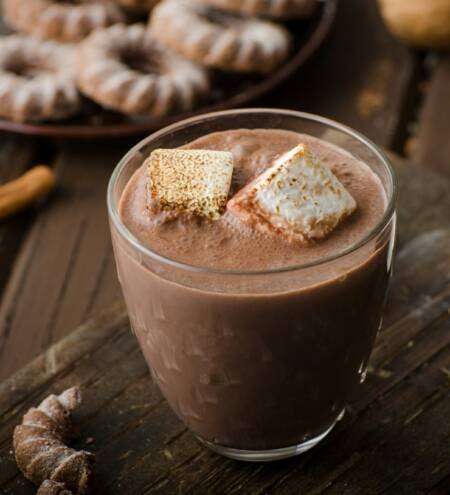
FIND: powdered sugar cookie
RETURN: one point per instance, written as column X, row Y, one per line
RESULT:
column 218, row 39
column 36, row 80
column 127, row 69
column 63, row 21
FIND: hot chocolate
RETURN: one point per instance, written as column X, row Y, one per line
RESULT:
column 252, row 351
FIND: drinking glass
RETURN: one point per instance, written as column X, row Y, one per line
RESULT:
column 258, row 364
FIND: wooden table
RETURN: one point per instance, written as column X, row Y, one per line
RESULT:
column 57, row 270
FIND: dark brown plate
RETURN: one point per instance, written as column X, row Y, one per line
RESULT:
column 229, row 91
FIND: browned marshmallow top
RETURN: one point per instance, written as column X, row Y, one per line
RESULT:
column 196, row 182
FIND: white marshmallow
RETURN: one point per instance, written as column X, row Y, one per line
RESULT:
column 298, row 197
column 190, row 181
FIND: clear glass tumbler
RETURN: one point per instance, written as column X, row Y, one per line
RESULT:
column 259, row 365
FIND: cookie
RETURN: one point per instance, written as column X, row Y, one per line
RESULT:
column 220, row 40
column 36, row 80
column 62, row 21
column 125, row 68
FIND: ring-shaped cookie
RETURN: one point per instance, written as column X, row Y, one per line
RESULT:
column 126, row 69
column 280, row 9
column 63, row 21
column 36, row 80
column 218, row 39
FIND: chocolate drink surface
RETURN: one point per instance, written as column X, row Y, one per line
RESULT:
column 267, row 359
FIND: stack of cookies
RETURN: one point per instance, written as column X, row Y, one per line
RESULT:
column 95, row 49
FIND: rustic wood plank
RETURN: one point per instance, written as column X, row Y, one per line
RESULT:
column 374, row 454
column 441, row 488
column 65, row 269
column 62, row 358
column 424, row 201
column 143, row 448
column 432, row 147
column 361, row 76
column 428, row 290
column 16, row 155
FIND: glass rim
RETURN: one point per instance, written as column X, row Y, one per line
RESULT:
column 143, row 249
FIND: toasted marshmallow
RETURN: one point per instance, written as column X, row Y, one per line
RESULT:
column 298, row 197
column 196, row 182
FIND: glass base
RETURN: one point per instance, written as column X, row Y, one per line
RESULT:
column 271, row 454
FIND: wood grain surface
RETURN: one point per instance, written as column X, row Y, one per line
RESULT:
column 15, row 156
column 433, row 143
column 393, row 439
column 64, row 270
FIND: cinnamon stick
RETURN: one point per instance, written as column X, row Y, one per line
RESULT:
column 19, row 193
